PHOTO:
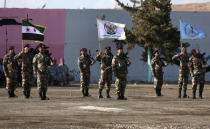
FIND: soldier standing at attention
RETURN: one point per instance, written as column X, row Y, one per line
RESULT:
column 120, row 65
column 157, row 71
column 183, row 70
column 10, row 67
column 106, row 71
column 197, row 71
column 41, row 62
column 27, row 69
column 84, row 63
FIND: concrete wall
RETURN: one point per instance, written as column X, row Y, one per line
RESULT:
column 70, row 30
column 81, row 32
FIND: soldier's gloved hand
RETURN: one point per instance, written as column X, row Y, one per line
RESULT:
column 35, row 73
column 81, row 74
column 192, row 75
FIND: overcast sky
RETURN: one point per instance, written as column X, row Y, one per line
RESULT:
column 74, row 4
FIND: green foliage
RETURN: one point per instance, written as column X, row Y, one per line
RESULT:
column 152, row 27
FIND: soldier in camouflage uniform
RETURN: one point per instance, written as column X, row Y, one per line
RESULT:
column 157, row 71
column 84, row 63
column 27, row 72
column 106, row 71
column 120, row 65
column 197, row 67
column 41, row 62
column 10, row 67
column 183, row 70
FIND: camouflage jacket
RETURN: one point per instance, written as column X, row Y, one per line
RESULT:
column 196, row 65
column 156, row 66
column 106, row 62
column 27, row 61
column 84, row 63
column 41, row 62
column 10, row 65
column 184, row 60
column 120, row 65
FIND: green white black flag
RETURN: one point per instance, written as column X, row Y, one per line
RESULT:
column 31, row 32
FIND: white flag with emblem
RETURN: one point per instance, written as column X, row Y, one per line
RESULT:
column 110, row 30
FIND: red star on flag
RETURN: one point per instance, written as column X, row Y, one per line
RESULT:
column 34, row 30
column 27, row 29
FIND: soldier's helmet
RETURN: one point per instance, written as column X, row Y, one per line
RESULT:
column 11, row 48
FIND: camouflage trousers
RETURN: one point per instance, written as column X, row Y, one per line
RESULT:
column 85, row 81
column 158, row 81
column 198, row 79
column 120, row 84
column 183, row 80
column 27, row 79
column 11, row 83
column 106, row 77
column 42, row 80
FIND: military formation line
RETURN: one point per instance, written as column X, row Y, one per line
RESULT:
column 118, row 65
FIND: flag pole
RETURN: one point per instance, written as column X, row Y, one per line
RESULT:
column 22, row 44
column 99, row 45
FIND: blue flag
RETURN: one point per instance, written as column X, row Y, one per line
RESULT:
column 189, row 32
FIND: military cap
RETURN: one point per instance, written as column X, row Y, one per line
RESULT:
column 119, row 47
column 107, row 47
column 11, row 48
column 27, row 45
column 193, row 51
column 83, row 49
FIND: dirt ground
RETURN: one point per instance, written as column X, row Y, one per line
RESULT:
column 67, row 109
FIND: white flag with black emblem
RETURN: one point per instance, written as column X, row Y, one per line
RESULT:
column 110, row 30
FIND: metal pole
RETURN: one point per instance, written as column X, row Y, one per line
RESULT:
column 5, row 1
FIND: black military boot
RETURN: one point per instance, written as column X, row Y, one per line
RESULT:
column 180, row 93
column 107, row 93
column 201, row 91
column 156, row 92
column 200, row 94
column 100, row 94
column 13, row 94
column 119, row 96
column 159, row 92
column 40, row 94
column 28, row 93
column 83, row 92
column 87, row 92
column 185, row 93
column 25, row 93
column 9, row 94
column 194, row 94
column 44, row 94
column 123, row 94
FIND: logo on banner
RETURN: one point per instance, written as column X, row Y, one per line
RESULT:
column 110, row 28
column 190, row 31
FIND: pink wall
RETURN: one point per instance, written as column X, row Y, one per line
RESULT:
column 54, row 20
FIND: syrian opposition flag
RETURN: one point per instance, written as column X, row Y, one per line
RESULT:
column 110, row 30
column 32, row 32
